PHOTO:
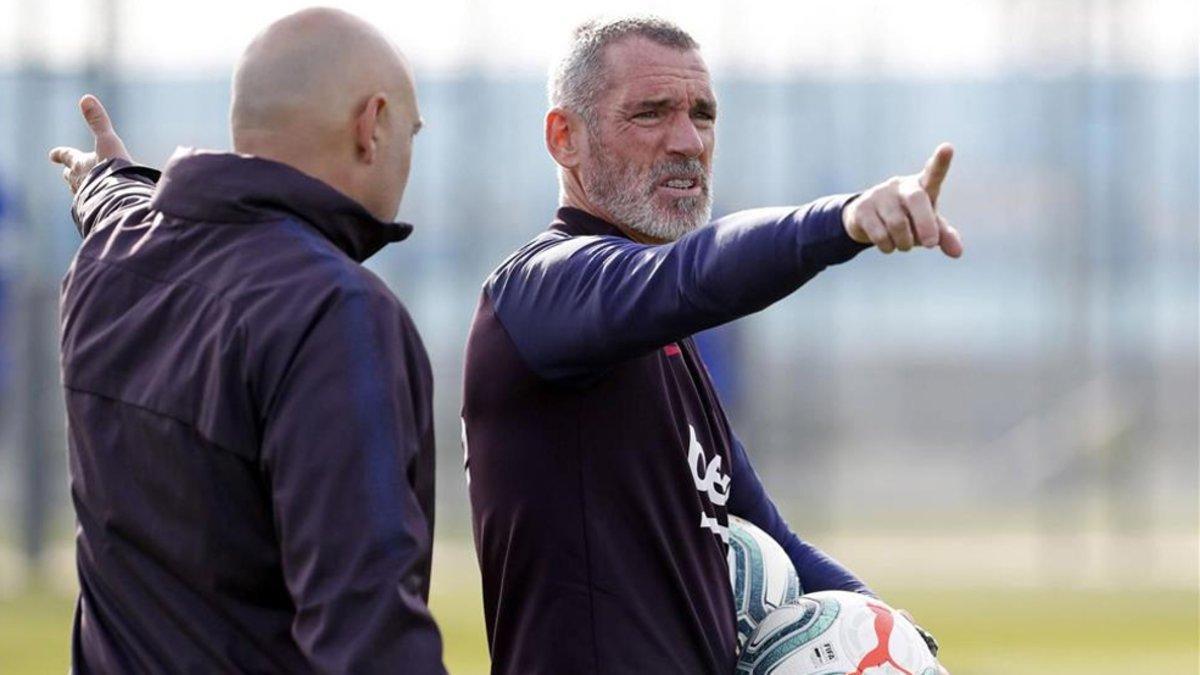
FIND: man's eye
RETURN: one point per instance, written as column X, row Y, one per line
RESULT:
column 647, row 115
column 710, row 117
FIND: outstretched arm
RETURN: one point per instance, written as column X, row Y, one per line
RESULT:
column 576, row 305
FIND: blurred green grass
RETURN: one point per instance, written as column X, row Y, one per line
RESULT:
column 35, row 631
column 982, row 631
column 1044, row 631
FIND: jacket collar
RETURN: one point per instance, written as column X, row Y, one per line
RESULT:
column 234, row 188
column 578, row 222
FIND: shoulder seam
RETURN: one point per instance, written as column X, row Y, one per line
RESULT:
column 238, row 322
column 154, row 411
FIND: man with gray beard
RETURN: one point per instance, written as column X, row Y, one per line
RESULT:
column 602, row 467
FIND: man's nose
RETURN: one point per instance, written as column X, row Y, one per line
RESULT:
column 684, row 138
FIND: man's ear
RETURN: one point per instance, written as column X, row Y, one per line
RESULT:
column 565, row 137
column 368, row 127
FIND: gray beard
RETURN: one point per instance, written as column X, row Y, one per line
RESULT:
column 629, row 198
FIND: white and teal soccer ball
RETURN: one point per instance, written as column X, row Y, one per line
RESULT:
column 761, row 574
column 836, row 633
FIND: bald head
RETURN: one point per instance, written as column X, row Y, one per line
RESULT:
column 306, row 87
column 312, row 68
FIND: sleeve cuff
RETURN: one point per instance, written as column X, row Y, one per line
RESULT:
column 94, row 183
column 115, row 166
column 823, row 238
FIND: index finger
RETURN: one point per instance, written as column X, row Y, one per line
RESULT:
column 95, row 115
column 935, row 170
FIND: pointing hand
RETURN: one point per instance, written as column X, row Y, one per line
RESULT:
column 77, row 163
column 901, row 212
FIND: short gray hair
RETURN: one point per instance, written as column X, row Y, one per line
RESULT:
column 578, row 77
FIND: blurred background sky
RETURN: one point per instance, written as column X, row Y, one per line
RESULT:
column 1023, row 418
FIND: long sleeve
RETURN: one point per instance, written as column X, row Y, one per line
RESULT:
column 340, row 450
column 748, row 500
column 113, row 187
column 575, row 305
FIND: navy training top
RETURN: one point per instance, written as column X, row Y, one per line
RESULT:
column 601, row 465
column 249, row 425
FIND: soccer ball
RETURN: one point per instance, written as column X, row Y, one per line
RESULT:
column 761, row 574
column 836, row 633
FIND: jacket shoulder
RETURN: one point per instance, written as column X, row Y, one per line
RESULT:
column 532, row 261
column 314, row 259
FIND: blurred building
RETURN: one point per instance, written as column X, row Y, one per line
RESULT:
column 1047, row 381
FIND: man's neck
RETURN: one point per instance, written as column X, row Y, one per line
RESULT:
column 573, row 197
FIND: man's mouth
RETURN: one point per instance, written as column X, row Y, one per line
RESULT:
column 681, row 186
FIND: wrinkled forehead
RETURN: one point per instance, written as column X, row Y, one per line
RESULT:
column 637, row 69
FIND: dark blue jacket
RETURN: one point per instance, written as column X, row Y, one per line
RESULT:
column 602, row 467
column 250, row 428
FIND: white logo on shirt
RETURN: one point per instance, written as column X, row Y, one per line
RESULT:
column 466, row 455
column 708, row 479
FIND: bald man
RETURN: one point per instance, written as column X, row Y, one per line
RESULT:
column 249, row 409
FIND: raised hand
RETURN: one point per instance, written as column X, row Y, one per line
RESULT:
column 77, row 163
column 901, row 212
